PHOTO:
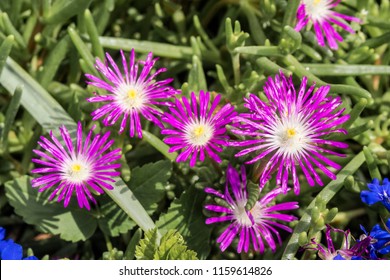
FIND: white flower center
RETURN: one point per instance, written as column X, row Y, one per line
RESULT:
column 241, row 214
column 290, row 136
column 130, row 97
column 317, row 9
column 76, row 171
column 257, row 213
column 198, row 133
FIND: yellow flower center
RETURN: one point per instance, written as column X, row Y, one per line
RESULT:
column 291, row 132
column 132, row 94
column 316, row 2
column 76, row 167
column 198, row 131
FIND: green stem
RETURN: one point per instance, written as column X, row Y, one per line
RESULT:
column 93, row 35
column 254, row 24
column 377, row 41
column 270, row 67
column 259, row 50
column 301, row 71
column 158, row 49
column 83, row 50
column 108, row 242
column 236, row 67
column 11, row 114
column 346, row 70
column 159, row 145
column 291, row 12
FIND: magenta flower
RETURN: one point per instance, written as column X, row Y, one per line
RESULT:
column 197, row 130
column 291, row 130
column 320, row 13
column 80, row 168
column 259, row 226
column 129, row 95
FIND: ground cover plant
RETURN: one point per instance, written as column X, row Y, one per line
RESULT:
column 168, row 129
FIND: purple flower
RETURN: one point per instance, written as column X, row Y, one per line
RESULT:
column 358, row 251
column 320, row 13
column 197, row 128
column 9, row 250
column 258, row 226
column 130, row 94
column 290, row 131
column 377, row 193
column 80, row 168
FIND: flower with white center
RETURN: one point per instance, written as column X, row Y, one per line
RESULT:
column 289, row 131
column 79, row 168
column 130, row 94
column 258, row 226
column 197, row 131
column 321, row 14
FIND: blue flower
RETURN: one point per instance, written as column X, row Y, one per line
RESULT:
column 9, row 250
column 377, row 193
column 380, row 240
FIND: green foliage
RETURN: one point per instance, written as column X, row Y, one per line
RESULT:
column 148, row 183
column 114, row 254
column 171, row 247
column 183, row 217
column 72, row 223
column 112, row 220
column 10, row 116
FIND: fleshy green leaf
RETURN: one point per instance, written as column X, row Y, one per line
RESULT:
column 10, row 115
column 62, row 10
column 71, row 223
column 185, row 215
column 197, row 79
column 5, row 50
column 163, row 148
column 53, row 61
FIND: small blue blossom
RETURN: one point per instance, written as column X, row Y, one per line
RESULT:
column 377, row 193
column 9, row 250
column 380, row 243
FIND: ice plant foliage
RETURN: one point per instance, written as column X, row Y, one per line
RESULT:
column 377, row 193
column 255, row 228
column 290, row 130
column 197, row 127
column 79, row 167
column 131, row 93
column 322, row 15
column 358, row 251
